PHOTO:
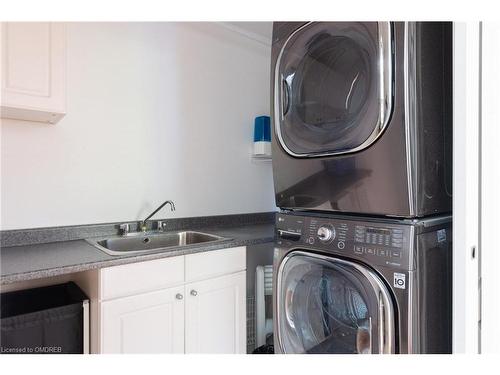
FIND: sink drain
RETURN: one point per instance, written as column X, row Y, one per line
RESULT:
column 146, row 240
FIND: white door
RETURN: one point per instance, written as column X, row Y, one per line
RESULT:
column 216, row 315
column 146, row 323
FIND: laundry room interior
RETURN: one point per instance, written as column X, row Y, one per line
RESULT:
column 248, row 187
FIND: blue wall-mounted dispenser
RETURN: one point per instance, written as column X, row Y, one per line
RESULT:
column 262, row 136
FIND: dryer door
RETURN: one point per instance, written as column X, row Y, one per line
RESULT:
column 329, row 305
column 333, row 87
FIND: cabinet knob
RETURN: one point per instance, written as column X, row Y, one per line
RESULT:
column 179, row 296
column 194, row 293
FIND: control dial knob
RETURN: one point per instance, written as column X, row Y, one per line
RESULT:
column 326, row 233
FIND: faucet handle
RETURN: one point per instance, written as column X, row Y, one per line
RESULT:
column 160, row 225
column 124, row 229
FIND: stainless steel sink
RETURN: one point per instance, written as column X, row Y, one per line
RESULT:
column 151, row 241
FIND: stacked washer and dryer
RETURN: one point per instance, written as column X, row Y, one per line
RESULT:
column 362, row 117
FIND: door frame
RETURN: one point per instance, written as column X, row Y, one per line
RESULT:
column 466, row 124
column 489, row 256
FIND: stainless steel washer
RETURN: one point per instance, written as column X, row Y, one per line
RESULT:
column 345, row 285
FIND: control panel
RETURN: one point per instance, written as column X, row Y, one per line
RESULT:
column 378, row 243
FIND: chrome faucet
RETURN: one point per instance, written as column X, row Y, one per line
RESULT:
column 161, row 225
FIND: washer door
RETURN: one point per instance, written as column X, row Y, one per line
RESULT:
column 333, row 87
column 329, row 305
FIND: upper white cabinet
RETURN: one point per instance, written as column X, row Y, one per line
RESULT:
column 33, row 71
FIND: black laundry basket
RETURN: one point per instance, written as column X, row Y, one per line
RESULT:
column 52, row 319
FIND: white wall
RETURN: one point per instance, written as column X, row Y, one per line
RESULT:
column 155, row 111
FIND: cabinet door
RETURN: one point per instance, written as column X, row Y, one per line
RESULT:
column 216, row 315
column 33, row 71
column 145, row 323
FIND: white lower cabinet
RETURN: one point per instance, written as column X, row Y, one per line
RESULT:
column 215, row 313
column 145, row 323
column 198, row 306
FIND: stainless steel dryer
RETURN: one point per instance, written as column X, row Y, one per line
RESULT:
column 362, row 286
column 362, row 117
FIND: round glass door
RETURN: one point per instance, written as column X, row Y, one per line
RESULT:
column 328, row 306
column 333, row 87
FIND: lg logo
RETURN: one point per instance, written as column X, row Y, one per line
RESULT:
column 399, row 280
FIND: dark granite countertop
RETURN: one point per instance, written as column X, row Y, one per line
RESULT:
column 26, row 262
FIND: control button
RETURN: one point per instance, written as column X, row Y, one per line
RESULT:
column 289, row 235
column 326, row 233
column 382, row 252
column 370, row 251
column 396, row 254
column 341, row 245
column 311, row 240
column 358, row 249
